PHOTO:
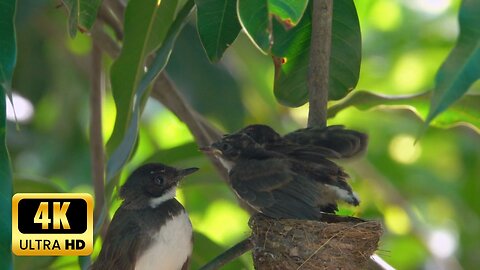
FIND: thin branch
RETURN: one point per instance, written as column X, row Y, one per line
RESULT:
column 106, row 15
column 229, row 255
column 318, row 70
column 204, row 133
column 96, row 138
column 106, row 43
column 117, row 7
column 164, row 91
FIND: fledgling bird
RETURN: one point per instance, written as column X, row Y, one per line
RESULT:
column 279, row 186
column 331, row 142
column 151, row 229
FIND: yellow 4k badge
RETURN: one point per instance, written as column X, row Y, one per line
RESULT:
column 52, row 224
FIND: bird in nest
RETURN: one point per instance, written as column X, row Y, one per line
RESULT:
column 282, row 178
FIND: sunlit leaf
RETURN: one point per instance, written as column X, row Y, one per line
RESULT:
column 123, row 151
column 8, row 56
column 255, row 19
column 462, row 67
column 81, row 14
column 464, row 110
column 218, row 25
column 291, row 51
column 289, row 12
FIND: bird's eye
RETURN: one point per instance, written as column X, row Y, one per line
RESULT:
column 226, row 147
column 157, row 179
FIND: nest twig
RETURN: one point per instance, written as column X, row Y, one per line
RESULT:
column 309, row 244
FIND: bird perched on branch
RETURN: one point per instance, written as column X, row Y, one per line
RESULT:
column 280, row 186
column 151, row 229
column 334, row 142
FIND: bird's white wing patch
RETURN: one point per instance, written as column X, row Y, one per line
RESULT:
column 168, row 195
column 227, row 164
column 344, row 194
column 171, row 247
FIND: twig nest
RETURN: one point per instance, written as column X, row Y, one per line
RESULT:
column 308, row 244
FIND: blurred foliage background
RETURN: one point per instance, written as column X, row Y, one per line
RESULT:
column 426, row 192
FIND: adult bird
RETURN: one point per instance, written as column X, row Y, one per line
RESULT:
column 151, row 229
column 279, row 186
column 333, row 142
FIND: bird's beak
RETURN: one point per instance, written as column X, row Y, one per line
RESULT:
column 211, row 150
column 187, row 171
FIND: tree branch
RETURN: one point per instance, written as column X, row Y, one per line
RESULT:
column 164, row 91
column 106, row 43
column 318, row 70
column 229, row 255
column 117, row 8
column 204, row 133
column 106, row 15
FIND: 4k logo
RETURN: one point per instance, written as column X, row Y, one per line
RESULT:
column 52, row 224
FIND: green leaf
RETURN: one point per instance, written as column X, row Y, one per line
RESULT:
column 8, row 58
column 289, row 12
column 203, row 84
column 255, row 19
column 146, row 25
column 462, row 67
column 218, row 26
column 81, row 14
column 463, row 111
column 122, row 152
column 291, row 52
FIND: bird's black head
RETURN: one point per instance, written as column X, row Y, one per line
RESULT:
column 152, row 181
column 262, row 134
column 232, row 147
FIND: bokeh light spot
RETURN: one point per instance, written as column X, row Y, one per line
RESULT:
column 386, row 15
column 224, row 222
column 397, row 220
column 403, row 149
column 442, row 243
column 409, row 73
column 22, row 109
column 168, row 130
column 433, row 7
column 108, row 116
column 80, row 45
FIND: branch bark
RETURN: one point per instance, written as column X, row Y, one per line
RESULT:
column 229, row 255
column 204, row 134
column 106, row 15
column 318, row 70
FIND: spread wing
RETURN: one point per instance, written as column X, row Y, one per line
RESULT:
column 346, row 142
column 271, row 187
column 312, row 153
column 122, row 243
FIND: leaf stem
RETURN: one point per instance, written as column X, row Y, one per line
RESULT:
column 318, row 70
